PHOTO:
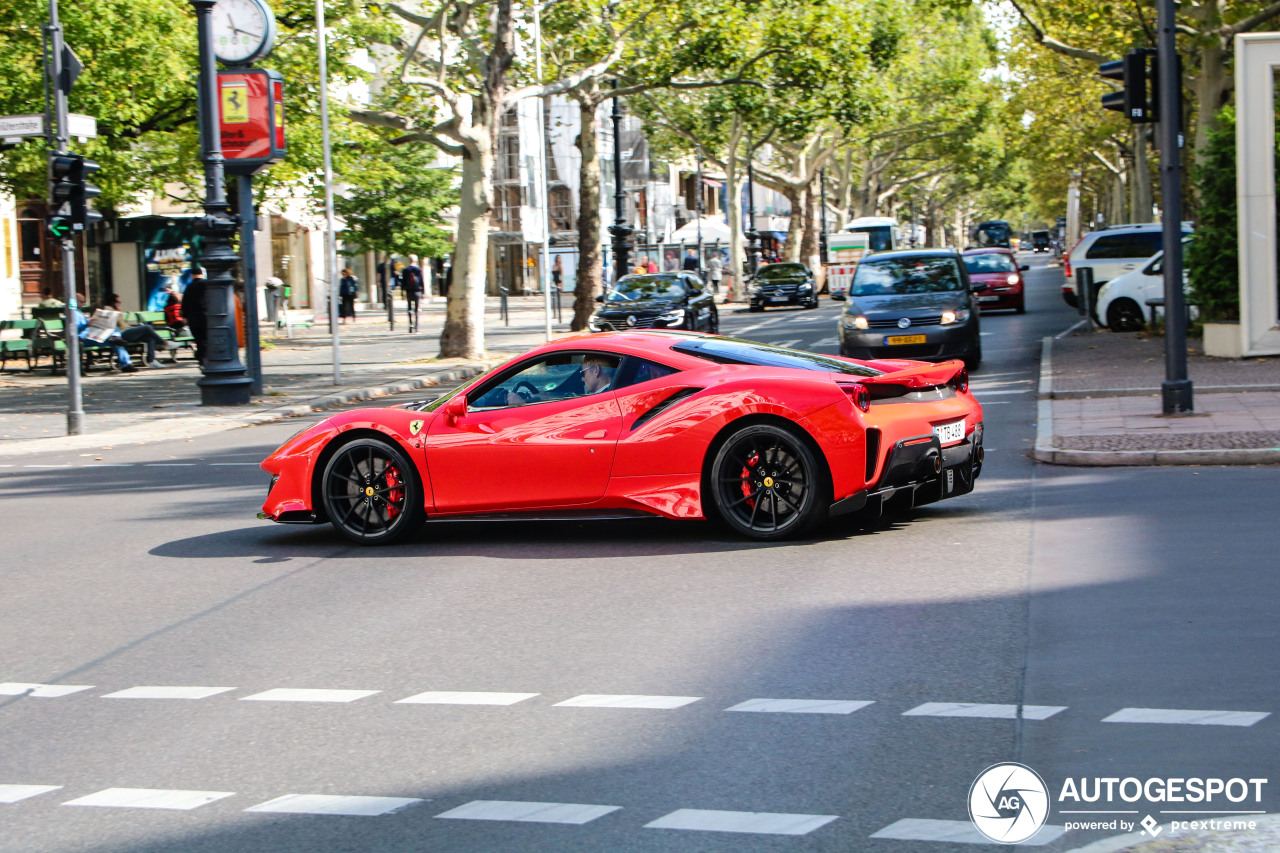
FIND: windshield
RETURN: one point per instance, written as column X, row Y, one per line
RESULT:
column 879, row 237
column 781, row 270
column 907, row 275
column 634, row 288
column 735, row 351
column 989, row 263
column 992, row 234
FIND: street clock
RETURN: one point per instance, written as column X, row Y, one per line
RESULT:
column 243, row 30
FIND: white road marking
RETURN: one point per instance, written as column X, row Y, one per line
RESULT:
column 799, row 706
column 987, row 393
column 599, row 700
column 46, row 466
column 999, row 712
column 334, row 805
column 14, row 793
column 1192, row 718
column 291, row 694
column 149, row 798
column 785, row 344
column 825, row 342
column 169, row 465
column 772, row 322
column 763, row 823
column 575, row 813
column 226, row 464
column 955, row 832
column 167, row 692
column 448, row 697
column 41, row 691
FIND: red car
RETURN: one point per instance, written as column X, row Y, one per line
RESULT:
column 769, row 440
column 998, row 269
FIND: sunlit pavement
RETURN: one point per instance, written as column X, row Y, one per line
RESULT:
column 196, row 680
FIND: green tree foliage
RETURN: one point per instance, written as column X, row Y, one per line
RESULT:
column 396, row 203
column 1214, row 257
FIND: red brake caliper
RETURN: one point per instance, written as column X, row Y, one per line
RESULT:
column 394, row 496
column 746, row 478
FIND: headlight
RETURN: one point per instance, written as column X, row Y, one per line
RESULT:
column 858, row 322
column 806, row 286
column 1012, row 279
column 755, row 288
column 675, row 316
column 949, row 317
column 593, row 323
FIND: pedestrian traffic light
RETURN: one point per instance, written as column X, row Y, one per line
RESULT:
column 1136, row 74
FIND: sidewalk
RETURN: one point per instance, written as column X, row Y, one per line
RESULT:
column 164, row 403
column 1100, row 404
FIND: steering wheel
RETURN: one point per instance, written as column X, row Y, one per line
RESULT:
column 526, row 389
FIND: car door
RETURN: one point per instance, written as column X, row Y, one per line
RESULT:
column 544, row 452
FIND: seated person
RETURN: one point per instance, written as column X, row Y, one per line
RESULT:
column 143, row 334
column 114, row 342
column 593, row 375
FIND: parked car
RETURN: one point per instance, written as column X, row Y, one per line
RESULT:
column 769, row 441
column 1111, row 252
column 782, row 284
column 674, row 300
column 914, row 304
column 1122, row 302
column 999, row 270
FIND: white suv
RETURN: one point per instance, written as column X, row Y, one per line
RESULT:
column 1112, row 252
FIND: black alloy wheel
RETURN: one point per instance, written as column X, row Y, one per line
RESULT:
column 371, row 492
column 767, row 484
column 1124, row 315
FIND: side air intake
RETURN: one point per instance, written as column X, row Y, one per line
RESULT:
column 662, row 406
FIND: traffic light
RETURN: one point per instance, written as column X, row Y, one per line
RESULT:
column 1136, row 72
column 81, row 211
column 61, row 186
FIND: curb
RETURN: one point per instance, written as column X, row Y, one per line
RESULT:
column 1046, row 452
column 188, row 426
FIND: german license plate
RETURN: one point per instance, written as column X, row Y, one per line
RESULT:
column 950, row 433
column 905, row 339
column 988, row 298
column 778, row 298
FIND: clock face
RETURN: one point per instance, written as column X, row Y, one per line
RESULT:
column 243, row 30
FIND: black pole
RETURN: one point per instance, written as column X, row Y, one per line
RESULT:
column 822, row 173
column 753, row 236
column 224, row 382
column 619, row 229
column 248, row 225
column 1176, row 392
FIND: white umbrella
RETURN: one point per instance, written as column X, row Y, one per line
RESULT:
column 713, row 230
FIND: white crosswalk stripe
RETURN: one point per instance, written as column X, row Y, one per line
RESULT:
column 291, row 694
column 575, row 813
column 448, row 697
column 999, row 712
column 41, row 691
column 328, row 804
column 1190, row 718
column 597, row 700
column 17, row 793
column 761, row 823
column 150, row 798
column 955, row 832
column 167, row 692
column 799, row 706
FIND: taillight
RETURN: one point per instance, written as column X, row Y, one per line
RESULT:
column 859, row 394
column 961, row 380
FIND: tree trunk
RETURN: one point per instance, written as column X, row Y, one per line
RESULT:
column 1143, row 198
column 733, row 192
column 463, row 334
column 589, row 270
column 844, row 198
column 810, row 244
column 1210, row 92
column 799, row 200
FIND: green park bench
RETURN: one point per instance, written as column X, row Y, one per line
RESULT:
column 16, row 337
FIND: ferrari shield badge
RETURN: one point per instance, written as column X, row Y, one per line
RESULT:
column 415, row 427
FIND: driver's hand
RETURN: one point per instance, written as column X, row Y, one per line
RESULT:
column 514, row 399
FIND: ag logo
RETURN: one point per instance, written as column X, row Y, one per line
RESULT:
column 415, row 427
column 1008, row 803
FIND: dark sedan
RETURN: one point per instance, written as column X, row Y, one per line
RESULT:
column 782, row 284
column 674, row 300
column 913, row 304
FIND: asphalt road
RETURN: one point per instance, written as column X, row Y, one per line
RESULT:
column 142, row 570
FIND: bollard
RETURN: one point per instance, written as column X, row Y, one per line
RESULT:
column 1084, row 294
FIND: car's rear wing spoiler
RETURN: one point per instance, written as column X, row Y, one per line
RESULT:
column 920, row 376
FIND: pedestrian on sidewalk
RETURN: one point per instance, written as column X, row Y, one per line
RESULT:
column 557, row 275
column 348, row 288
column 412, row 282
column 690, row 261
column 715, row 271
column 193, row 310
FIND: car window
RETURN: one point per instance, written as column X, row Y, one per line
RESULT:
column 638, row 370
column 989, row 263
column 906, row 276
column 781, row 271
column 557, row 376
column 635, row 288
column 1135, row 244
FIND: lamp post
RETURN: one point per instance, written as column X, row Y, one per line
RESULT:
column 701, row 207
column 1175, row 391
column 753, row 236
column 619, row 229
column 224, row 382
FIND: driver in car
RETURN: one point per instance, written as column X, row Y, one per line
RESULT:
column 595, row 375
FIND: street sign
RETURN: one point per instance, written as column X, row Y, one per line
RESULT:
column 83, row 126
column 60, row 227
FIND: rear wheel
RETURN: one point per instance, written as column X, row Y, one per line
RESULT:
column 1124, row 315
column 371, row 492
column 767, row 484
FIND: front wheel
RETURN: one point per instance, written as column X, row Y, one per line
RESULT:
column 371, row 492
column 1124, row 315
column 767, row 484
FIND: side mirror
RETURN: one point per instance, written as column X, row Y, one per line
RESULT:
column 599, row 297
column 456, row 409
column 1024, row 267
